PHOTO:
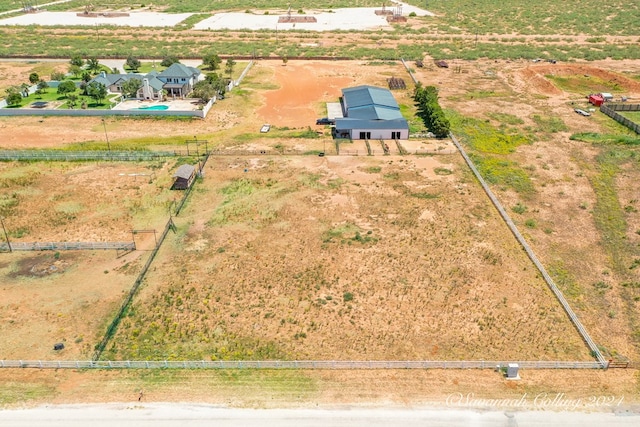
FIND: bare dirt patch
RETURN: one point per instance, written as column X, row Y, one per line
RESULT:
column 67, row 298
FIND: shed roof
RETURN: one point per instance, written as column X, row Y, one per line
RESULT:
column 367, row 95
column 184, row 171
column 369, row 102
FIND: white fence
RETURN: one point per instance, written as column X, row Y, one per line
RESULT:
column 295, row 364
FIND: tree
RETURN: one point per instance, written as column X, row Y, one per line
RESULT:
column 72, row 99
column 75, row 70
column 204, row 90
column 229, row 66
column 132, row 63
column 130, row 87
column 77, row 61
column 211, row 61
column 14, row 99
column 42, row 87
column 86, row 76
column 97, row 91
column 93, row 65
column 66, row 88
column 34, row 78
column 169, row 60
column 285, row 60
column 57, row 76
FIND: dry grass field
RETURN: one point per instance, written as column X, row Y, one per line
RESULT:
column 69, row 296
column 383, row 257
column 346, row 258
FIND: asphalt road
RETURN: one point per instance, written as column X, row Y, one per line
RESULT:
column 171, row 414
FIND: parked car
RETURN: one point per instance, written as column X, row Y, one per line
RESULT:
column 325, row 121
column 265, row 128
column 582, row 112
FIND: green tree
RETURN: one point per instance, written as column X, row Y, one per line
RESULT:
column 229, row 66
column 211, row 61
column 75, row 70
column 14, row 99
column 72, row 99
column 132, row 63
column 285, row 60
column 34, row 78
column 66, row 87
column 86, row 76
column 169, row 60
column 130, row 87
column 57, row 76
column 77, row 61
column 97, row 91
column 204, row 90
column 93, row 65
column 42, row 87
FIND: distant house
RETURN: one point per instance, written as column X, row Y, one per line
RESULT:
column 176, row 81
column 151, row 88
column 179, row 79
column 370, row 113
column 183, row 178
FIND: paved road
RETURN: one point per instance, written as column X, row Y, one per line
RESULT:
column 169, row 415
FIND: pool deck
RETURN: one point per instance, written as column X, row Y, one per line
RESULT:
column 174, row 105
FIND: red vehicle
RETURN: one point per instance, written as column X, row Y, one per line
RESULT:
column 596, row 99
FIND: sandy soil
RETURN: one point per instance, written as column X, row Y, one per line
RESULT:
column 558, row 165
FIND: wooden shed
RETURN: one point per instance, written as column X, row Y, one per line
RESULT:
column 183, row 178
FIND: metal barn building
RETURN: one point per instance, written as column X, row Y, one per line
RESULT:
column 370, row 113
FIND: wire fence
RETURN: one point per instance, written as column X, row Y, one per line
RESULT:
column 60, row 155
column 296, row 364
column 595, row 351
column 66, row 246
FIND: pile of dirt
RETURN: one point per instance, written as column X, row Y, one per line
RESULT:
column 535, row 77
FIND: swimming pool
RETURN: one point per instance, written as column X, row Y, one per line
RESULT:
column 153, row 107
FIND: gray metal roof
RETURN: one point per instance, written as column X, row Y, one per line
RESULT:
column 374, row 112
column 367, row 95
column 178, row 70
column 369, row 102
column 184, row 171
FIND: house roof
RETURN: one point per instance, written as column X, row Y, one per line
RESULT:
column 184, row 171
column 369, row 102
column 179, row 70
column 111, row 79
column 349, row 123
column 154, row 82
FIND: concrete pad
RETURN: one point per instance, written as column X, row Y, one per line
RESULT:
column 135, row 19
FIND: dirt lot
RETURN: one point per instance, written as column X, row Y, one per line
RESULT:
column 267, row 241
column 47, row 297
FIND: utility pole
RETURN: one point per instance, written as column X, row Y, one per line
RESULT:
column 104, row 125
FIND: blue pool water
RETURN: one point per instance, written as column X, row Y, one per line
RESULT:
column 154, row 107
